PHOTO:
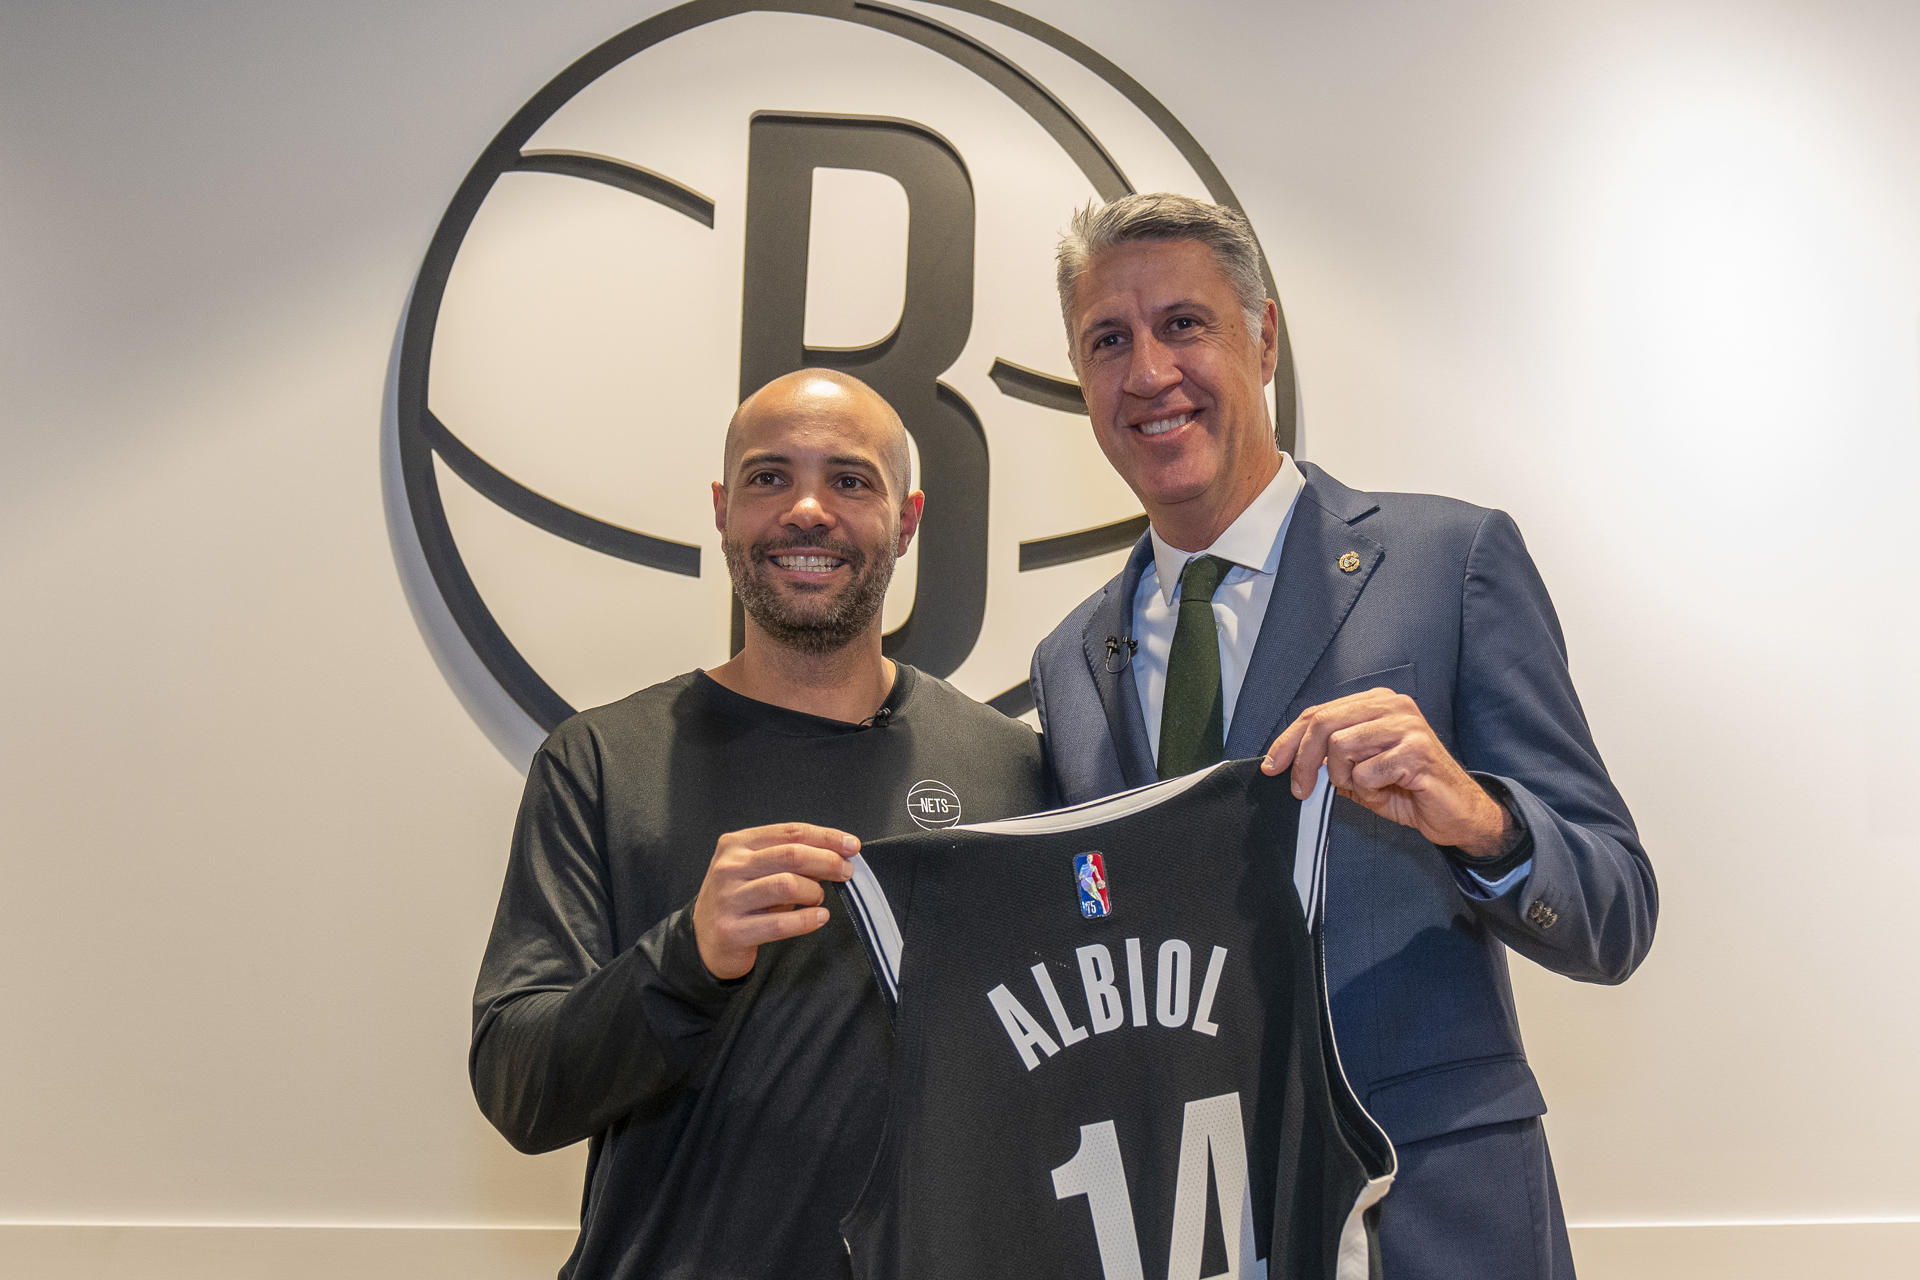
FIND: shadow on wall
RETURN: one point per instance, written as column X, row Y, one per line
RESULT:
column 512, row 731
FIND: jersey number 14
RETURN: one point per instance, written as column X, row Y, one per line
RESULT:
column 1210, row 1134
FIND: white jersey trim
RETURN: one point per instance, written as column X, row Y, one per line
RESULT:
column 1354, row 1260
column 877, row 922
column 1310, row 849
column 1093, row 812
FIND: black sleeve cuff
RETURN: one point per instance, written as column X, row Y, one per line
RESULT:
column 673, row 950
column 1514, row 850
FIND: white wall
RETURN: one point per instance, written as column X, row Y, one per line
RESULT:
column 1643, row 274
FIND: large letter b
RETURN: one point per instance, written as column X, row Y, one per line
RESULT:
column 936, row 315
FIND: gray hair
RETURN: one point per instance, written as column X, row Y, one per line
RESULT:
column 1163, row 215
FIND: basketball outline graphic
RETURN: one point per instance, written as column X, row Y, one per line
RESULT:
column 933, row 804
column 470, row 644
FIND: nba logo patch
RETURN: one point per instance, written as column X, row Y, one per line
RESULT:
column 1090, row 874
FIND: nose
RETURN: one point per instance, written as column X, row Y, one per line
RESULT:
column 808, row 511
column 1151, row 368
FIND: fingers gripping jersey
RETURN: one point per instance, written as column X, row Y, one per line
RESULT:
column 1113, row 1057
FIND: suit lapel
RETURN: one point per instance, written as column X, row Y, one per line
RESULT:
column 1312, row 596
column 1119, row 695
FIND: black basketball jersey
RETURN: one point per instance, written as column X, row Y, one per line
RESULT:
column 1113, row 1057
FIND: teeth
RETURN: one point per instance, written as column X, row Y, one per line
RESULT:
column 1160, row 426
column 812, row 564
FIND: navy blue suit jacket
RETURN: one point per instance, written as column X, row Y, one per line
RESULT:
column 1446, row 607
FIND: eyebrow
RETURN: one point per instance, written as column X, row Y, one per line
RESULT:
column 767, row 457
column 1179, row 304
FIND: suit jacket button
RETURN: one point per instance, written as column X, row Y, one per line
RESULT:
column 1542, row 915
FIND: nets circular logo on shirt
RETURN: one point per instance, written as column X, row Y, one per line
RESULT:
column 933, row 804
column 716, row 196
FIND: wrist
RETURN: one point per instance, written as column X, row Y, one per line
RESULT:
column 1502, row 842
column 1492, row 830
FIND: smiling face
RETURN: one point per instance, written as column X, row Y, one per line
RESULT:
column 1175, row 384
column 814, row 510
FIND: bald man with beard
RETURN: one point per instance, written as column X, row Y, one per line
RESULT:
column 667, row 978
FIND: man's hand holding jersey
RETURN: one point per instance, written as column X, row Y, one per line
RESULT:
column 1381, row 753
column 764, row 884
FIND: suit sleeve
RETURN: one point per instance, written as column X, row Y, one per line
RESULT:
column 568, row 1035
column 1587, row 906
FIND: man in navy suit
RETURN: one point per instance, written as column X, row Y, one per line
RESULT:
column 1405, row 641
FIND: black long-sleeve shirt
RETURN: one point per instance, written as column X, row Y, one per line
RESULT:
column 731, row 1123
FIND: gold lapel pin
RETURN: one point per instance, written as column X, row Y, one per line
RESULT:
column 1350, row 562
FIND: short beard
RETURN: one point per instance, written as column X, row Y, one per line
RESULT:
column 830, row 630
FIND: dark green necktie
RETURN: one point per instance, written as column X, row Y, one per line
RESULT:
column 1192, row 717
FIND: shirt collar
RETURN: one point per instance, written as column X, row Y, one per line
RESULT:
column 1251, row 541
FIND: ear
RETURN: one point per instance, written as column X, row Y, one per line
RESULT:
column 910, row 511
column 1269, row 340
column 719, row 506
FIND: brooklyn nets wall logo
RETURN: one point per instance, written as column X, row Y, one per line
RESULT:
column 718, row 195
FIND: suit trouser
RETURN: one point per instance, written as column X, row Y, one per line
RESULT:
column 1481, row 1204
